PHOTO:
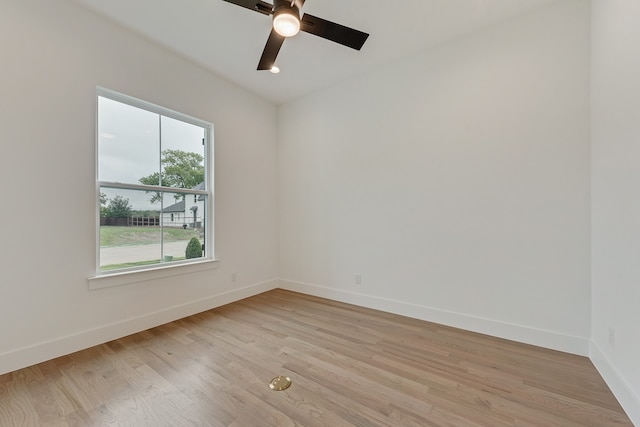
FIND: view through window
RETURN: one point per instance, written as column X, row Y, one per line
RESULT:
column 154, row 194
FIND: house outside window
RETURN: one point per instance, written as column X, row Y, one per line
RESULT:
column 151, row 162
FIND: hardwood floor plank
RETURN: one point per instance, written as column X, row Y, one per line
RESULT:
column 349, row 365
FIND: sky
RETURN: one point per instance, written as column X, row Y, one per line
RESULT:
column 130, row 140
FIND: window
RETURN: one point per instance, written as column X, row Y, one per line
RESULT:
column 153, row 180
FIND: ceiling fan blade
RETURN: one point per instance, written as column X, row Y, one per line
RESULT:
column 270, row 52
column 331, row 31
column 255, row 5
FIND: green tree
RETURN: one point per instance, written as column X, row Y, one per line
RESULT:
column 103, row 205
column 180, row 169
column 119, row 207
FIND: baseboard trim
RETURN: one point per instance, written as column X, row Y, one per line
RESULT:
column 37, row 353
column 527, row 335
column 629, row 401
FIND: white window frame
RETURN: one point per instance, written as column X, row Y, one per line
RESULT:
column 134, row 274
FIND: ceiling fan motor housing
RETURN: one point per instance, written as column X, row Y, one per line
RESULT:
column 286, row 18
column 285, row 6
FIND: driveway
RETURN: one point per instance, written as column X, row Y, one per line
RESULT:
column 122, row 254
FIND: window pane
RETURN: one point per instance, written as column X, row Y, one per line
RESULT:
column 182, row 154
column 183, row 219
column 128, row 142
column 130, row 232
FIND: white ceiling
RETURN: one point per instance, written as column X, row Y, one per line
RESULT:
column 228, row 39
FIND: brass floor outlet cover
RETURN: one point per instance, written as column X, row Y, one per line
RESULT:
column 280, row 383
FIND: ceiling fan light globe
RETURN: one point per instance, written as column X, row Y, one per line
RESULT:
column 286, row 24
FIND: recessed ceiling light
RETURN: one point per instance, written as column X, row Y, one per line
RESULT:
column 275, row 69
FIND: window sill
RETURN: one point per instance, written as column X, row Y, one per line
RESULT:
column 125, row 277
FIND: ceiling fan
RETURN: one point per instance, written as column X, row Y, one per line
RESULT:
column 287, row 23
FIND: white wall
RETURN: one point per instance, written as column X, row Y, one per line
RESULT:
column 615, row 198
column 456, row 182
column 53, row 55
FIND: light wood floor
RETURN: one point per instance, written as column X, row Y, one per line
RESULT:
column 349, row 366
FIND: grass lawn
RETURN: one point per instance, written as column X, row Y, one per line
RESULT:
column 124, row 236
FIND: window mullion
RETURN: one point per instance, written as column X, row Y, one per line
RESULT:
column 124, row 186
column 160, row 181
